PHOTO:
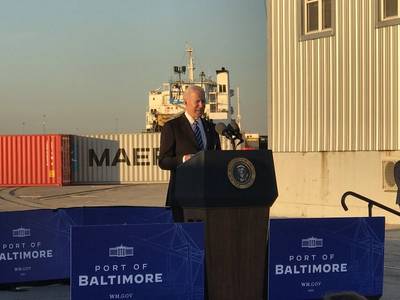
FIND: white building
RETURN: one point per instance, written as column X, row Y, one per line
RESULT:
column 333, row 104
column 120, row 251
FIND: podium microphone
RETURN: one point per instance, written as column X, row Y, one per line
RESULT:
column 223, row 130
column 236, row 130
column 229, row 132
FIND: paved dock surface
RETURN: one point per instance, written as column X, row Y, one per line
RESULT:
column 27, row 198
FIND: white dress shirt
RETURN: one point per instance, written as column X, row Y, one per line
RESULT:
column 200, row 125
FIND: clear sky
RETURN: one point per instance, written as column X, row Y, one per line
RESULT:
column 86, row 66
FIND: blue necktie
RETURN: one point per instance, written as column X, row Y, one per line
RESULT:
column 197, row 135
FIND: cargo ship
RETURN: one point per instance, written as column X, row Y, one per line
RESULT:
column 166, row 102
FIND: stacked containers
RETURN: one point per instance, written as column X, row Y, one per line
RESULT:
column 55, row 160
column 119, row 158
column 35, row 160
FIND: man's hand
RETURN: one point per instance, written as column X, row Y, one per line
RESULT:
column 186, row 157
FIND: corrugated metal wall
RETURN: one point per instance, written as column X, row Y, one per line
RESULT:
column 118, row 158
column 337, row 93
column 32, row 160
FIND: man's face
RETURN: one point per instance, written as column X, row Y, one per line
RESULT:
column 195, row 104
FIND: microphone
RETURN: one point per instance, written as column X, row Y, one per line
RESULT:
column 232, row 132
column 236, row 130
column 223, row 130
column 235, row 126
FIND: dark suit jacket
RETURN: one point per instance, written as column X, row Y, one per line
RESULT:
column 177, row 139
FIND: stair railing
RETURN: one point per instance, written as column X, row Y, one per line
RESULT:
column 371, row 203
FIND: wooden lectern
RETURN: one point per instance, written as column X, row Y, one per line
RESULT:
column 231, row 191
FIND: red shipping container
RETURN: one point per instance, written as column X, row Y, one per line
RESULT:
column 35, row 160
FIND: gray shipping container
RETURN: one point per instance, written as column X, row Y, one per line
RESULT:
column 119, row 158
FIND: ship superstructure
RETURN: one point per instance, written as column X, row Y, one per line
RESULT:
column 167, row 102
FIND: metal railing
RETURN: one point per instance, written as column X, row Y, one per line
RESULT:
column 370, row 202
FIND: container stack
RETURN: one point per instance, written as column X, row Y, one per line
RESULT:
column 56, row 160
column 35, row 160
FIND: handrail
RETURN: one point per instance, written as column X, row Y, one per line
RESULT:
column 370, row 202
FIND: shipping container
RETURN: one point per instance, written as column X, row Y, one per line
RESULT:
column 35, row 160
column 119, row 158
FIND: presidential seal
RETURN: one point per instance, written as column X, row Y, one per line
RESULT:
column 241, row 173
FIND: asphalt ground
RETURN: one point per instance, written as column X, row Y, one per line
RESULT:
column 28, row 198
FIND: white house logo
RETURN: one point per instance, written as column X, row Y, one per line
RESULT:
column 21, row 232
column 120, row 251
column 312, row 242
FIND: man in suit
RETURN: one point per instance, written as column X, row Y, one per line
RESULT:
column 183, row 137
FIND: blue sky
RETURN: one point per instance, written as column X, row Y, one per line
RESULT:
column 88, row 65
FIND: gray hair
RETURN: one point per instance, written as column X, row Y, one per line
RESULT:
column 193, row 89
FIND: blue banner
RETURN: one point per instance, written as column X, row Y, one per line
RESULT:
column 148, row 261
column 309, row 258
column 126, row 215
column 35, row 245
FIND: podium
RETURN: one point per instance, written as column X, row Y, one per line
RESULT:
column 231, row 191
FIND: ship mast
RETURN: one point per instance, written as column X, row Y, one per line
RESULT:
column 238, row 117
column 189, row 50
